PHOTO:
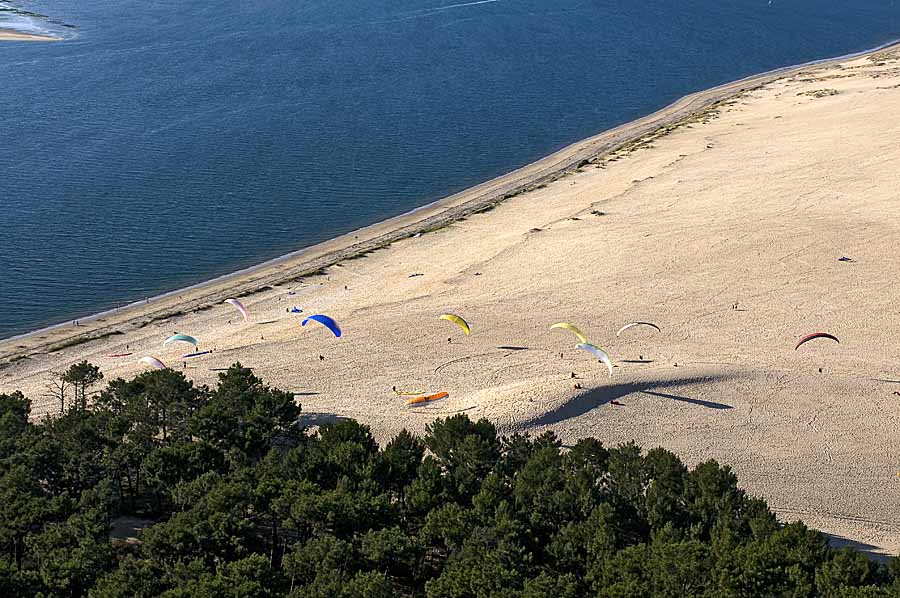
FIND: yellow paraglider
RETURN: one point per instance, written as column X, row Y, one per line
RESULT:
column 458, row 321
column 571, row 328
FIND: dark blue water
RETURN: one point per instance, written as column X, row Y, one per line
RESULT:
column 172, row 141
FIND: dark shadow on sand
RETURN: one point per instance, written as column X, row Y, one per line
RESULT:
column 635, row 361
column 868, row 550
column 700, row 402
column 508, row 348
column 602, row 395
column 312, row 418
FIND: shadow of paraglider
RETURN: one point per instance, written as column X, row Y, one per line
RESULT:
column 510, row 348
column 700, row 402
column 635, row 361
column 597, row 397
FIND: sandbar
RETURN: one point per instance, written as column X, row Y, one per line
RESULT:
column 18, row 36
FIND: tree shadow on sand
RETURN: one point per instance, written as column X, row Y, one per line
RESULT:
column 309, row 419
column 597, row 397
column 870, row 551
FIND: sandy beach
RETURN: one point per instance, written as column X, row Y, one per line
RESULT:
column 723, row 218
column 17, row 36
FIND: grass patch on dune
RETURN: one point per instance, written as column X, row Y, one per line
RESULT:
column 250, row 292
column 485, row 209
column 366, row 252
column 80, row 340
column 162, row 317
column 819, row 93
column 322, row 271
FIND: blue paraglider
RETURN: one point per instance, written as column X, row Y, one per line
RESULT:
column 324, row 321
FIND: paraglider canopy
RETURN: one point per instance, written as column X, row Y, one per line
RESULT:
column 598, row 353
column 180, row 338
column 324, row 321
column 240, row 307
column 458, row 321
column 153, row 362
column 815, row 335
column 428, row 398
column 571, row 328
column 633, row 324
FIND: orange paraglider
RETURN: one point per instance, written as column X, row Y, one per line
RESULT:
column 424, row 400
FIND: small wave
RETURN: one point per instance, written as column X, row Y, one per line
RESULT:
column 463, row 4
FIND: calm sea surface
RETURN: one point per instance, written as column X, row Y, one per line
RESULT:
column 167, row 142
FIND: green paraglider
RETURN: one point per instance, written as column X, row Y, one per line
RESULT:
column 182, row 338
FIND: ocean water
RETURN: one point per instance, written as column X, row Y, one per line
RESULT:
column 167, row 142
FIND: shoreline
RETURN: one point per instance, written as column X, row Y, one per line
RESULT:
column 17, row 36
column 316, row 259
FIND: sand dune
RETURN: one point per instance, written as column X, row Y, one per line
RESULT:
column 726, row 231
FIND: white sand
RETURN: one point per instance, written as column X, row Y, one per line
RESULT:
column 753, row 207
